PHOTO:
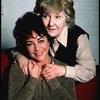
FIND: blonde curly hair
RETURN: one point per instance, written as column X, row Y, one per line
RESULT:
column 43, row 6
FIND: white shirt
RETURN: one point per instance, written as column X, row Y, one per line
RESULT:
column 85, row 70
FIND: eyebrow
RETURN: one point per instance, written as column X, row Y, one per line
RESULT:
column 37, row 39
column 29, row 41
column 55, row 13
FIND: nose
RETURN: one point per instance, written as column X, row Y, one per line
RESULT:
column 36, row 45
column 51, row 21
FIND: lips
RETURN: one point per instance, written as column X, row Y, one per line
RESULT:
column 51, row 30
column 38, row 54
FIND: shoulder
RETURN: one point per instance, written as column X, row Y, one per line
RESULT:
column 16, row 70
column 15, row 66
column 77, row 29
column 75, row 32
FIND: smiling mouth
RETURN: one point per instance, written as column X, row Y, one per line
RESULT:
column 38, row 54
column 51, row 29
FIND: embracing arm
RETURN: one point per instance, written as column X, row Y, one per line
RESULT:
column 85, row 70
column 20, row 59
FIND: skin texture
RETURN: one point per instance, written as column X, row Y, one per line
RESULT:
column 54, row 22
column 37, row 48
column 59, row 18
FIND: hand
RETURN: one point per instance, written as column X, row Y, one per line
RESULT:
column 34, row 69
column 23, row 63
column 51, row 71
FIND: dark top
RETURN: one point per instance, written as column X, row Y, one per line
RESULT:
column 68, row 54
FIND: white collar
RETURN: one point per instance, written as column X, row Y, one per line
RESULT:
column 63, row 36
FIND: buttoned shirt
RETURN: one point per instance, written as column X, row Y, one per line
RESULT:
column 85, row 69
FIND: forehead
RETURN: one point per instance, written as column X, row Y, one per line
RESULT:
column 55, row 13
column 52, row 10
column 33, row 35
column 52, row 5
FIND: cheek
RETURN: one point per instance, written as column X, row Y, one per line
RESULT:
column 46, row 47
column 62, row 23
column 45, row 22
column 30, row 50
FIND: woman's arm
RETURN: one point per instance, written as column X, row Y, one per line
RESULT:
column 85, row 70
column 20, row 59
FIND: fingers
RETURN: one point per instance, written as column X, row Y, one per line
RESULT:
column 33, row 63
column 25, row 69
column 49, row 76
column 27, row 66
column 34, row 69
column 23, row 63
column 30, row 65
column 48, row 73
column 47, row 69
column 52, row 71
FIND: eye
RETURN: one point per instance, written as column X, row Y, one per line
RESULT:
column 40, row 40
column 58, row 17
column 44, row 16
column 29, row 44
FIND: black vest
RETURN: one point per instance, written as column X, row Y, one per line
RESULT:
column 68, row 54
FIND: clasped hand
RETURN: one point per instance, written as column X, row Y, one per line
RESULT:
column 48, row 71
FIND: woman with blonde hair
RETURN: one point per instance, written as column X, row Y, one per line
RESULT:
column 33, row 42
column 71, row 43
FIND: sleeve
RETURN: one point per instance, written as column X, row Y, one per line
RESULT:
column 85, row 70
column 62, row 88
column 15, row 53
column 19, row 87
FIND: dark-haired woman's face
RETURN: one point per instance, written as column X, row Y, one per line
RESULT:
column 37, row 46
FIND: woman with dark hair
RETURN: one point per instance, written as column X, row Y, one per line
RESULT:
column 71, row 44
column 34, row 42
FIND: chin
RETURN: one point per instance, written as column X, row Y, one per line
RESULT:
column 53, row 35
column 39, row 59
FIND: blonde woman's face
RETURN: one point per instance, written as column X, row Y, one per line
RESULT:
column 54, row 22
